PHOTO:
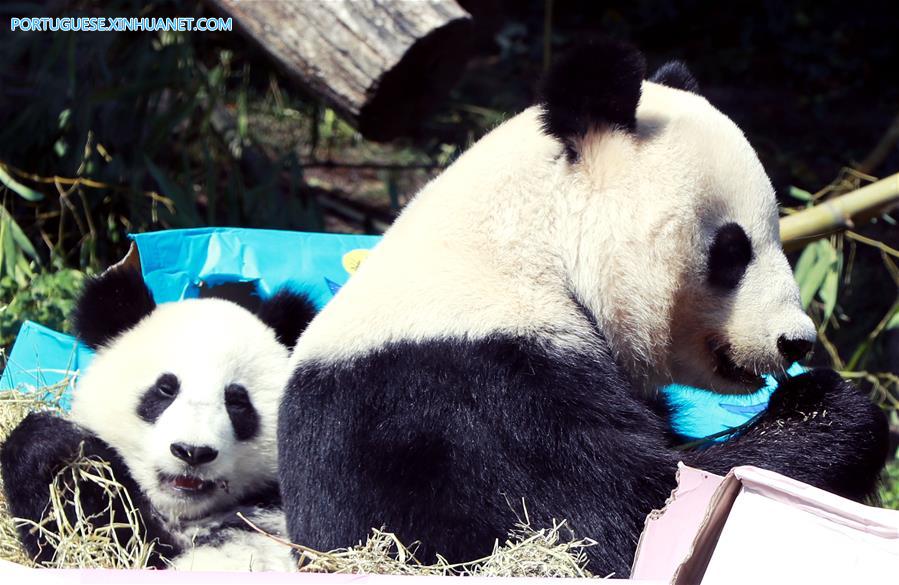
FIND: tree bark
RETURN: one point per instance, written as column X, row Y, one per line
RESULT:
column 382, row 64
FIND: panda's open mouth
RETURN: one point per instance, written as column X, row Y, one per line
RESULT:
column 727, row 368
column 187, row 485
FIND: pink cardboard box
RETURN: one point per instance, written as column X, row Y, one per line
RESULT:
column 756, row 526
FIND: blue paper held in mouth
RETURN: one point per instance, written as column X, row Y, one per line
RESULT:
column 698, row 413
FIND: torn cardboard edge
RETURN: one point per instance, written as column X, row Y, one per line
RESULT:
column 666, row 538
column 130, row 260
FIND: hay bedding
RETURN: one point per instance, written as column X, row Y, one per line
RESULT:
column 90, row 542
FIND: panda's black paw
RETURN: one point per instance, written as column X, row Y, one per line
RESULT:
column 822, row 397
column 835, row 426
column 810, row 392
column 30, row 457
column 39, row 445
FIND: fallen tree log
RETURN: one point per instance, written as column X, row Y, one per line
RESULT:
column 382, row 65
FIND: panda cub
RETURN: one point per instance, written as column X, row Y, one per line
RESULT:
column 182, row 400
column 506, row 339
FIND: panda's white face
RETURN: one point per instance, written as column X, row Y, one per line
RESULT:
column 189, row 398
column 706, row 246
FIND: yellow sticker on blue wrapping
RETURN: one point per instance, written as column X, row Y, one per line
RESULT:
column 353, row 259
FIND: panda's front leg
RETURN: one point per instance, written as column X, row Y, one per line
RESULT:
column 818, row 429
column 30, row 458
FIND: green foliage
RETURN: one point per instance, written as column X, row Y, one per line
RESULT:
column 48, row 300
column 836, row 289
column 151, row 129
column 16, row 251
column 821, row 274
column 800, row 194
column 889, row 491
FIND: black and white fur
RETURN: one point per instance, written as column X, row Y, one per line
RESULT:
column 182, row 399
column 505, row 340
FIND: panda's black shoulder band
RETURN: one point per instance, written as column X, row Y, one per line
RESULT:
column 110, row 304
column 597, row 84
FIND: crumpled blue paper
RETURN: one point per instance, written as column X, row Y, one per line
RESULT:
column 176, row 264
column 701, row 413
column 44, row 360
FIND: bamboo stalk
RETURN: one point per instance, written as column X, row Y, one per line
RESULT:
column 839, row 213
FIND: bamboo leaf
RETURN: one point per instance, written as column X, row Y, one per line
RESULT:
column 806, row 260
column 17, row 235
column 800, row 194
column 828, row 291
column 809, row 288
column 243, row 121
column 24, row 192
column 893, row 323
column 831, row 283
column 8, row 247
column 812, row 277
column 64, row 117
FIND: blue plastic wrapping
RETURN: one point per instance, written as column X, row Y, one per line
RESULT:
column 701, row 413
column 44, row 360
column 176, row 263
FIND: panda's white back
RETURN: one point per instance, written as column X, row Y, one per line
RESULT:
column 505, row 238
column 469, row 256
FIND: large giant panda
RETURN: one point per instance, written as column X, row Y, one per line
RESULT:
column 504, row 342
column 181, row 398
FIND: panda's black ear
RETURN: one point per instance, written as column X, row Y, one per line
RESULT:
column 675, row 74
column 110, row 304
column 597, row 84
column 288, row 313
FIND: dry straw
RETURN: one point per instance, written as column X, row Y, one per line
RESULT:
column 13, row 408
column 80, row 539
column 526, row 553
column 86, row 540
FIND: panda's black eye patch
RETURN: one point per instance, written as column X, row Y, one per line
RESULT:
column 158, row 397
column 729, row 256
column 244, row 417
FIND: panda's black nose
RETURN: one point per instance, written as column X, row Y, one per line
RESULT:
column 193, row 454
column 793, row 350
